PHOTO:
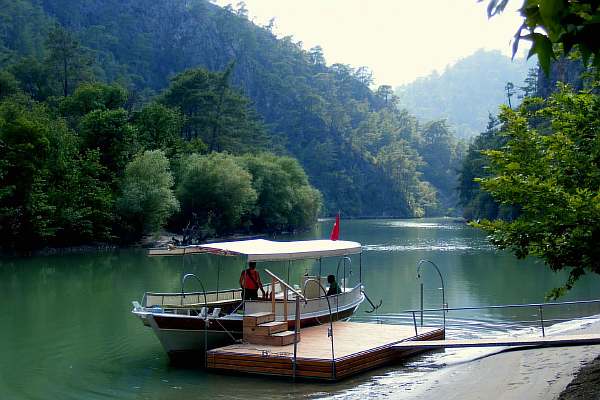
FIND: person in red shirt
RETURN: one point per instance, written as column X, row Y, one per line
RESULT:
column 250, row 282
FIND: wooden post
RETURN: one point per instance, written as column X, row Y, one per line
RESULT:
column 273, row 295
column 285, row 305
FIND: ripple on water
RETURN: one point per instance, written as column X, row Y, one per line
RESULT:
column 445, row 225
column 438, row 245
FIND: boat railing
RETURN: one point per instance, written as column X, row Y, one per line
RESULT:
column 540, row 308
column 329, row 331
column 189, row 298
column 342, row 261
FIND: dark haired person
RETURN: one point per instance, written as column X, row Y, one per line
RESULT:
column 334, row 288
column 250, row 282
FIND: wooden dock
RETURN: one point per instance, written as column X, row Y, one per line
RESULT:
column 357, row 347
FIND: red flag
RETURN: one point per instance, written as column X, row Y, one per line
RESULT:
column 335, row 232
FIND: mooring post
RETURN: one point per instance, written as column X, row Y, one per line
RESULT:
column 421, row 303
column 542, row 321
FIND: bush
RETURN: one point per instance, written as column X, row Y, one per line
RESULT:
column 147, row 198
column 217, row 190
column 286, row 201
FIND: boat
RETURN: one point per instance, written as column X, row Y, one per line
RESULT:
column 188, row 324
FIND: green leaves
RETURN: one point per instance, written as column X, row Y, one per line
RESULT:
column 542, row 47
column 557, row 24
column 147, row 198
column 552, row 177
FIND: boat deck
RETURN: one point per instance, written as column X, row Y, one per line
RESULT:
column 357, row 348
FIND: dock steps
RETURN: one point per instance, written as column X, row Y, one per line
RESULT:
column 548, row 341
column 276, row 339
column 267, row 328
column 262, row 329
column 258, row 318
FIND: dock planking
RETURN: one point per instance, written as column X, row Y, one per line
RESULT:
column 357, row 347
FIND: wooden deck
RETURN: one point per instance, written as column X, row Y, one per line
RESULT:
column 357, row 347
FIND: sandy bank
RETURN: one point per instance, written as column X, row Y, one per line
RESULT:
column 525, row 374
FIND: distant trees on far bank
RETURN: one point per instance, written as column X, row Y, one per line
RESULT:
column 87, row 167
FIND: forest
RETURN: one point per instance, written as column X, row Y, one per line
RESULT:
column 466, row 92
column 149, row 113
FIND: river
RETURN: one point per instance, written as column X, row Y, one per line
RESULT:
column 66, row 330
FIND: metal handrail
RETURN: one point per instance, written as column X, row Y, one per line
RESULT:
column 330, row 333
column 284, row 283
column 206, row 321
column 508, row 306
column 539, row 306
column 444, row 305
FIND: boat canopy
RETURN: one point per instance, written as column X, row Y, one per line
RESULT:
column 267, row 250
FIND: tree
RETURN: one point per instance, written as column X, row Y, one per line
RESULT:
column 570, row 24
column 147, row 198
column 81, row 197
column 66, row 56
column 285, row 201
column 34, row 78
column 510, row 92
column 24, row 148
column 89, row 97
column 160, row 127
column 8, row 84
column 110, row 132
column 549, row 171
column 530, row 87
column 214, row 112
column 217, row 190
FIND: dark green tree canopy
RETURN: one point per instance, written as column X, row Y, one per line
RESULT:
column 214, row 112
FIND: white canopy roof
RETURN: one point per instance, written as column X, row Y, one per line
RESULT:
column 267, row 250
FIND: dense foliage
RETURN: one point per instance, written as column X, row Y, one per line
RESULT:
column 83, row 168
column 478, row 204
column 574, row 25
column 311, row 111
column 99, row 89
column 549, row 170
column 465, row 92
column 146, row 200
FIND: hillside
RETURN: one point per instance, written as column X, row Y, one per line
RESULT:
column 466, row 92
column 365, row 157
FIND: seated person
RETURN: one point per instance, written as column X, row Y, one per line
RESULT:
column 334, row 288
column 250, row 282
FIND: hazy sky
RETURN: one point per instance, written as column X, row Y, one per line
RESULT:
column 399, row 40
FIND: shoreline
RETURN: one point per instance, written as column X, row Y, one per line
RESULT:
column 567, row 373
column 585, row 383
column 166, row 237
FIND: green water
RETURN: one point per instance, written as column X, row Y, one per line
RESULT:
column 66, row 331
